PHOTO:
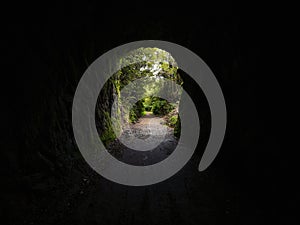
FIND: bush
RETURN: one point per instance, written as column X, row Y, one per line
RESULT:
column 160, row 106
column 147, row 102
column 136, row 111
column 177, row 128
column 173, row 120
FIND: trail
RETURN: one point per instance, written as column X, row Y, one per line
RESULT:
column 188, row 197
column 148, row 128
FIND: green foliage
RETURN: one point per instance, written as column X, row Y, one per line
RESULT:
column 115, row 79
column 177, row 128
column 147, row 102
column 173, row 120
column 148, row 55
column 148, row 62
column 132, row 116
column 143, row 62
column 136, row 112
column 161, row 106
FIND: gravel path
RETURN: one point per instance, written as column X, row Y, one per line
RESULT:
column 148, row 129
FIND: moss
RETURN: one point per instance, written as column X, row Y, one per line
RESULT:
column 173, row 120
column 115, row 79
column 177, row 128
column 108, row 134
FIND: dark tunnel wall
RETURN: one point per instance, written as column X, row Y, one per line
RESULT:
column 47, row 55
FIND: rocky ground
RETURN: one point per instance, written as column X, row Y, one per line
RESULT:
column 148, row 128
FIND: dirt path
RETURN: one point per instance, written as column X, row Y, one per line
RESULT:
column 188, row 197
column 147, row 130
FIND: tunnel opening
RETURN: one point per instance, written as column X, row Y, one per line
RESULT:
column 149, row 116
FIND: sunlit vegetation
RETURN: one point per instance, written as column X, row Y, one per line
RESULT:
column 155, row 64
column 160, row 106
